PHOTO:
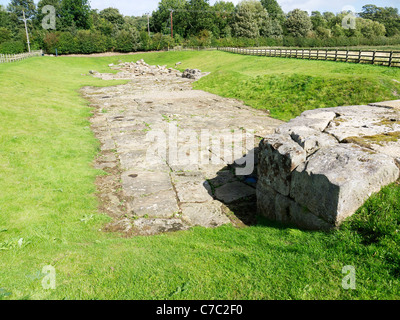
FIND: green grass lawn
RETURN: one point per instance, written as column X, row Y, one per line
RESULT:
column 287, row 87
column 48, row 206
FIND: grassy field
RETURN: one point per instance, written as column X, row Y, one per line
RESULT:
column 48, row 207
column 287, row 87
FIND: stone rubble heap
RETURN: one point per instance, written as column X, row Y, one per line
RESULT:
column 193, row 74
column 142, row 69
column 319, row 169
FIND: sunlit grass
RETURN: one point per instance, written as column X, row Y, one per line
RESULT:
column 48, row 200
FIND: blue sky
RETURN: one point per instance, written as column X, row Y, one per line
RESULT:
column 139, row 7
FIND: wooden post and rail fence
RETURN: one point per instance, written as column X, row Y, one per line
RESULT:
column 8, row 58
column 376, row 57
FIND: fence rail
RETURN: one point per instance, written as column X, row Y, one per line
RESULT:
column 180, row 48
column 384, row 58
column 7, row 58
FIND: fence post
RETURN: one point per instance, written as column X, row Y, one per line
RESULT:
column 359, row 57
column 373, row 57
column 390, row 58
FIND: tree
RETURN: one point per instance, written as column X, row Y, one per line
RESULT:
column 5, row 19
column 369, row 28
column 103, row 25
column 113, row 16
column 298, row 23
column 127, row 40
column 318, row 20
column 5, row 35
column 17, row 6
column 274, row 10
column 249, row 19
column 40, row 15
column 223, row 18
column 200, row 16
column 271, row 28
column 76, row 12
column 387, row 16
column 161, row 18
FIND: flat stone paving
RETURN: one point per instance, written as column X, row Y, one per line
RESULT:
column 155, row 185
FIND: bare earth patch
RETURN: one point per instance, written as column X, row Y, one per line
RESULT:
column 155, row 186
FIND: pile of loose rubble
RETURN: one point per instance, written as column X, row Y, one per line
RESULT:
column 318, row 169
column 141, row 69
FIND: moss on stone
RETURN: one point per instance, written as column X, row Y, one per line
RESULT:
column 379, row 139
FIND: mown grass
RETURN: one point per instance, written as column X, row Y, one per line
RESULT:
column 48, row 200
column 287, row 87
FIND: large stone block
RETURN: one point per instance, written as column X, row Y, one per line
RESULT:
column 279, row 155
column 276, row 207
column 320, row 168
column 337, row 181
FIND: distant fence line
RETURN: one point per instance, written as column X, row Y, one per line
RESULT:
column 384, row 58
column 7, row 58
column 179, row 48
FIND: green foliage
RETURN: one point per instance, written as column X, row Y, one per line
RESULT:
column 12, row 47
column 127, row 40
column 388, row 16
column 76, row 12
column 274, row 9
column 199, row 15
column 298, row 23
column 113, row 16
column 195, row 23
column 161, row 19
column 5, row 35
column 250, row 20
column 17, row 6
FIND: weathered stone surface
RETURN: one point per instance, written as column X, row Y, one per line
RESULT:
column 279, row 155
column 312, row 140
column 208, row 214
column 360, row 121
column 349, row 154
column 193, row 74
column 149, row 227
column 155, row 181
column 394, row 104
column 234, row 191
column 140, row 183
column 317, row 119
column 194, row 191
column 337, row 181
column 159, row 205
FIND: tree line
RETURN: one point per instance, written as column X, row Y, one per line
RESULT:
column 81, row 29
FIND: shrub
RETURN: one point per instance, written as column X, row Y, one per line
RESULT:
column 12, row 47
column 127, row 40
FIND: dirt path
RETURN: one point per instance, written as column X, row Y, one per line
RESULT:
column 172, row 153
